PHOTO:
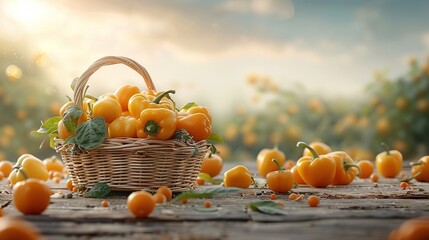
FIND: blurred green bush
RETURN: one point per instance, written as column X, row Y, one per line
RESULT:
column 395, row 111
column 26, row 98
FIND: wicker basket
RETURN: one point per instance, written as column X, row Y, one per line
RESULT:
column 131, row 164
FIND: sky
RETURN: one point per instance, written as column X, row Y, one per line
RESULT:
column 205, row 49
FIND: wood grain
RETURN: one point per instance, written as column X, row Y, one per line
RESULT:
column 360, row 210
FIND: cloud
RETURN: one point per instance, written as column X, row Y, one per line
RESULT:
column 189, row 32
column 201, row 29
column 183, row 41
column 279, row 8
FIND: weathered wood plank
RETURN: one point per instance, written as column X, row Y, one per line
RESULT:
column 345, row 212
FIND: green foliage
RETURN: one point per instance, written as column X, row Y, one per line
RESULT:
column 209, row 179
column 71, row 116
column 91, row 133
column 100, row 190
column 395, row 111
column 267, row 207
column 26, row 97
column 48, row 129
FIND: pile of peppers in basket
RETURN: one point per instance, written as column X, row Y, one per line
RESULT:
column 131, row 113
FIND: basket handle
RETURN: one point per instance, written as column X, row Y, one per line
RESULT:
column 109, row 60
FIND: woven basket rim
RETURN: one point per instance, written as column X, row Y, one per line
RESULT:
column 126, row 142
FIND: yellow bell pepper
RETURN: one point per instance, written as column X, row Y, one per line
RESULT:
column 264, row 161
column 389, row 162
column 238, row 176
column 421, row 169
column 320, row 147
column 123, row 127
column 198, row 109
column 28, row 166
column 141, row 101
column 346, row 169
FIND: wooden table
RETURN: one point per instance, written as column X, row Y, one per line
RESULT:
column 361, row 210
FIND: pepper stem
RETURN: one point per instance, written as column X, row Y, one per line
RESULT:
column 383, row 144
column 410, row 178
column 313, row 152
column 254, row 183
column 151, row 128
column 278, row 164
column 23, row 173
column 417, row 163
column 347, row 166
column 157, row 100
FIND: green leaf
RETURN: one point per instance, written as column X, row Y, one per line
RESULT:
column 92, row 133
column 52, row 141
column 47, row 127
column 267, row 207
column 100, row 190
column 70, row 140
column 71, row 115
column 53, row 129
column 51, row 122
column 39, row 133
column 205, row 177
column 217, row 181
column 215, row 138
column 213, row 149
column 209, row 179
column 207, row 193
column 188, row 106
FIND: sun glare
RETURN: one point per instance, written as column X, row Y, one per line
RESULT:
column 26, row 11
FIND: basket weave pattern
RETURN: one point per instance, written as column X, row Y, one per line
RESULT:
column 132, row 164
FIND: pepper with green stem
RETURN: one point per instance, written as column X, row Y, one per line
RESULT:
column 280, row 181
column 157, row 122
column 317, row 171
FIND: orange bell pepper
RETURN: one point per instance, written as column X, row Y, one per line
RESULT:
column 346, row 169
column 421, row 169
column 123, row 127
column 264, row 161
column 141, row 101
column 199, row 109
column 156, row 123
column 296, row 177
column 389, row 162
column 197, row 124
column 238, row 176
column 413, row 229
column 280, row 181
column 317, row 171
